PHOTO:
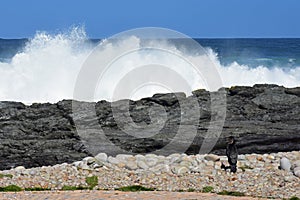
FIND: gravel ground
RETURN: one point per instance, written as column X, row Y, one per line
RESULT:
column 257, row 175
column 93, row 195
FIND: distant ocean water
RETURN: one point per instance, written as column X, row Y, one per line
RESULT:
column 252, row 52
column 44, row 68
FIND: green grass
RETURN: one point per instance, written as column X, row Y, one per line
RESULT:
column 294, row 198
column 11, row 188
column 231, row 193
column 189, row 190
column 67, row 187
column 92, row 181
column 103, row 189
column 207, row 189
column 37, row 189
column 134, row 188
column 6, row 175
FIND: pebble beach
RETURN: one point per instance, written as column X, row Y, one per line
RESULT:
column 273, row 175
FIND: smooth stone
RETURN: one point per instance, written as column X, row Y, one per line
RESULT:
column 251, row 158
column 162, row 160
column 83, row 165
column 285, row 164
column 271, row 157
column 260, row 165
column 185, row 163
column 210, row 163
column 219, row 163
column 20, row 168
column 239, row 163
column 174, row 158
column 179, row 170
column 297, row 173
column 188, row 159
column 199, row 158
column 101, row 157
column 289, row 178
column 194, row 163
column 212, row 157
column 183, row 155
column 160, row 168
column 131, row 165
column 151, row 161
column 165, row 168
column 76, row 164
column 296, row 169
column 139, row 157
column 161, row 157
column 174, row 155
column 121, row 165
column 260, row 158
column 64, row 164
column 217, row 167
column 25, row 172
column 196, row 169
column 33, row 172
column 89, row 160
column 96, row 165
column 225, row 158
column 113, row 160
column 100, row 163
column 141, row 164
column 241, row 157
column 150, row 155
column 123, row 157
column 297, row 163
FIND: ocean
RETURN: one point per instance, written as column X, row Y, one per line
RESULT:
column 44, row 68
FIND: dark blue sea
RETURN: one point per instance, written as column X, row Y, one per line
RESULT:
column 253, row 52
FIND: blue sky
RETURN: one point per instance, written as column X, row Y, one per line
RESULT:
column 195, row 18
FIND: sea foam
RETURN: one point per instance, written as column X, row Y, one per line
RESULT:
column 47, row 68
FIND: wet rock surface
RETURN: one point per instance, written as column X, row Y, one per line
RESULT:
column 264, row 119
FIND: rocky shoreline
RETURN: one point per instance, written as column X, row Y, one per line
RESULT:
column 264, row 119
column 258, row 175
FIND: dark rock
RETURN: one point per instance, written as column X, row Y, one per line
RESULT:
column 293, row 91
column 263, row 118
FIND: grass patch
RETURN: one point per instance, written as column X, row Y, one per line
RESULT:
column 134, row 188
column 11, row 188
column 6, row 175
column 294, row 198
column 37, row 189
column 67, row 187
column 92, row 181
column 191, row 190
column 207, row 189
column 231, row 193
column 243, row 168
column 103, row 189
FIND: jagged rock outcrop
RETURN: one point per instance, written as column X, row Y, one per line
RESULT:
column 264, row 118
